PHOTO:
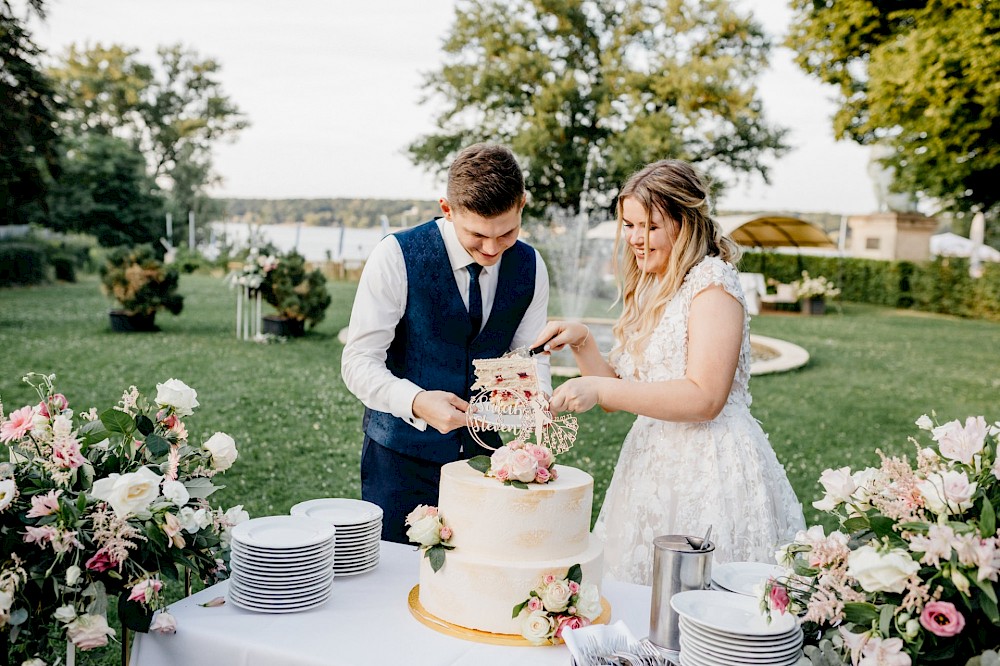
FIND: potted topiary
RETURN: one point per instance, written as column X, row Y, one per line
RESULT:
column 298, row 294
column 141, row 285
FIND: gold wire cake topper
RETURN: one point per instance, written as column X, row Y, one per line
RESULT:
column 510, row 399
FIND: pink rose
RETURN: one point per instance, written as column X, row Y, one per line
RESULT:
column 66, row 454
column 570, row 622
column 542, row 475
column 101, row 561
column 941, row 618
column 445, row 533
column 58, row 402
column 17, row 425
column 523, row 466
column 144, row 590
column 534, row 604
column 502, row 474
column 541, row 454
column 164, row 623
column 170, row 422
column 779, row 598
column 548, row 579
column 574, row 587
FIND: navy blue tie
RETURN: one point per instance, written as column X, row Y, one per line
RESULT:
column 475, row 299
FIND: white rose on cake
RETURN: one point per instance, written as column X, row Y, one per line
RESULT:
column 536, row 626
column 556, row 596
column 588, row 602
column 523, row 466
column 425, row 528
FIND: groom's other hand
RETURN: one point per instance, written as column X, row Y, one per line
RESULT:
column 442, row 410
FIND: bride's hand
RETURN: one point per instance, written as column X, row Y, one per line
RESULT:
column 576, row 395
column 558, row 334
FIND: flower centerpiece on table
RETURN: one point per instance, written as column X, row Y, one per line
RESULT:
column 814, row 287
column 429, row 532
column 558, row 604
column 252, row 273
column 911, row 576
column 104, row 505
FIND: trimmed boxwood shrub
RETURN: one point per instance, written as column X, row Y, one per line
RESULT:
column 22, row 264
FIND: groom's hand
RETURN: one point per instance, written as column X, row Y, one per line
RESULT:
column 442, row 410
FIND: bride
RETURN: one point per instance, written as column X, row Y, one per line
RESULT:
column 695, row 456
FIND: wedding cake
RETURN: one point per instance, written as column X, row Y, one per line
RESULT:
column 510, row 537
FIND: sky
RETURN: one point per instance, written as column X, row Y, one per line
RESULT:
column 332, row 90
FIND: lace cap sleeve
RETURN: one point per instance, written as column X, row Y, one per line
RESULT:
column 712, row 271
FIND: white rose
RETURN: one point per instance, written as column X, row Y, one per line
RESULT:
column 65, row 614
column 839, row 486
column 176, row 492
column 881, row 572
column 34, row 661
column 536, row 626
column 588, row 602
column 233, row 517
column 128, row 493
column 947, row 492
column 61, row 426
column 72, row 575
column 500, row 459
column 8, row 491
column 164, row 623
column 426, row 531
column 89, row 631
column 555, row 596
column 175, row 393
column 223, row 450
column 523, row 466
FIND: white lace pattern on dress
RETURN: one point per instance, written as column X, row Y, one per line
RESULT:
column 679, row 478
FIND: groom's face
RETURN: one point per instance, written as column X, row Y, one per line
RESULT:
column 484, row 238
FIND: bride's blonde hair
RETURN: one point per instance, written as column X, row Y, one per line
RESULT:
column 681, row 195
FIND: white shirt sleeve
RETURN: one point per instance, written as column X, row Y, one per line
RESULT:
column 378, row 307
column 534, row 321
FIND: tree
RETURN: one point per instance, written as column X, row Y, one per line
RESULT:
column 173, row 112
column 105, row 191
column 587, row 91
column 919, row 75
column 29, row 144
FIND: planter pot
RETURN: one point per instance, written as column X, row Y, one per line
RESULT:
column 286, row 328
column 813, row 306
column 122, row 322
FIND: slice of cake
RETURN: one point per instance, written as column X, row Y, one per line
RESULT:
column 507, row 379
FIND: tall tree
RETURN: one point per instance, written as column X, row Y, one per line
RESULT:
column 172, row 111
column 29, row 144
column 921, row 76
column 586, row 91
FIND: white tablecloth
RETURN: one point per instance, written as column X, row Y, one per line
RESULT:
column 366, row 621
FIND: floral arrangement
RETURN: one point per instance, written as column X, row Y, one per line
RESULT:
column 518, row 464
column 814, row 287
column 427, row 529
column 556, row 605
column 98, row 505
column 911, row 577
column 252, row 273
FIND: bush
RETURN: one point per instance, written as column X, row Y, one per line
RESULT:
column 295, row 292
column 140, row 282
column 22, row 263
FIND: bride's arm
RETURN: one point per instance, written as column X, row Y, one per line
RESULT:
column 715, row 333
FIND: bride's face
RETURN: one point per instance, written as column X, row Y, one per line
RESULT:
column 651, row 256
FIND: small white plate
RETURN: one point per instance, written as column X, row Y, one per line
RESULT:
column 247, row 553
column 252, row 569
column 249, row 604
column 731, row 613
column 281, row 561
column 263, row 580
column 282, row 593
column 283, row 532
column 709, row 659
column 749, row 651
column 339, row 511
column 742, row 577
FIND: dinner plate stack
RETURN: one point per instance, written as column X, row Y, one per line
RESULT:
column 728, row 629
column 359, row 530
column 745, row 577
column 281, row 564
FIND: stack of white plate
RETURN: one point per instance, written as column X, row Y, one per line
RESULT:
column 281, row 564
column 359, row 530
column 744, row 577
column 725, row 628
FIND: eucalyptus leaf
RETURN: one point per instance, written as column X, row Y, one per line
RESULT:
column 18, row 616
column 200, row 487
column 436, row 556
column 885, row 619
column 117, row 421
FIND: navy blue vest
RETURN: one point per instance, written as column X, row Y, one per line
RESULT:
column 431, row 346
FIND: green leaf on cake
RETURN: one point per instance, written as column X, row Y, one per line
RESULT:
column 575, row 574
column 436, row 555
column 518, row 608
column 480, row 463
column 517, row 484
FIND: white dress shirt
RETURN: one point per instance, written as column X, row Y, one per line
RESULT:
column 380, row 303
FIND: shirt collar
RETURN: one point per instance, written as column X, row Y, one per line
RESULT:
column 458, row 256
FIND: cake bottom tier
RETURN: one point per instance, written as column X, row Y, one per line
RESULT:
column 480, row 593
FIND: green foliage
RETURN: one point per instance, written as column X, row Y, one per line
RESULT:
column 104, row 191
column 586, row 92
column 29, row 155
column 919, row 76
column 140, row 282
column 296, row 292
column 22, row 263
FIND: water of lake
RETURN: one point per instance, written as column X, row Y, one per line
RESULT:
column 313, row 243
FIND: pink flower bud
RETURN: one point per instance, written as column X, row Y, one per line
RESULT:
column 535, row 604
column 445, row 533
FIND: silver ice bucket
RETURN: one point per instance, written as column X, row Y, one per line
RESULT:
column 677, row 567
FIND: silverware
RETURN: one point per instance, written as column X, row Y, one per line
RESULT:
column 705, row 542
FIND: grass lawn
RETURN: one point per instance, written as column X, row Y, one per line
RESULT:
column 873, row 371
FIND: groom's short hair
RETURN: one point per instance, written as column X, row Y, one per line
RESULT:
column 485, row 179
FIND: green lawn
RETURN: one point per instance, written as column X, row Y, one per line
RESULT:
column 873, row 371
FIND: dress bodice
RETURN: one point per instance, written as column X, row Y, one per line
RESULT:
column 665, row 354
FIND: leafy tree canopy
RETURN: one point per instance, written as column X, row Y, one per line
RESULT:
column 587, row 91
column 921, row 76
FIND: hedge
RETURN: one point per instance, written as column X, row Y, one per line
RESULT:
column 22, row 264
column 942, row 285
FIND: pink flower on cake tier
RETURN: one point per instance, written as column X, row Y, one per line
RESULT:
column 44, row 505
column 542, row 475
column 446, row 533
column 941, row 618
column 18, row 425
column 523, row 466
column 535, row 604
column 542, row 455
column 570, row 622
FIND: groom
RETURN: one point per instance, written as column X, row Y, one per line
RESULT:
column 430, row 300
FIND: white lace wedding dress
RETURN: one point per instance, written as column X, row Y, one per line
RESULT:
column 679, row 478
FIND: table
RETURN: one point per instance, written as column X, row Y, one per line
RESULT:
column 366, row 621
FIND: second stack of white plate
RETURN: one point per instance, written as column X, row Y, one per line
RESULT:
column 745, row 577
column 281, row 564
column 359, row 530
column 725, row 628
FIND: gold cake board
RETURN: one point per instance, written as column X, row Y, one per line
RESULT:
column 449, row 629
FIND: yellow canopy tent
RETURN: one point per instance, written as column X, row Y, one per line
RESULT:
column 774, row 231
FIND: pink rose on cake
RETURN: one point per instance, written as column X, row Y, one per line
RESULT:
column 428, row 531
column 558, row 604
column 518, row 464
